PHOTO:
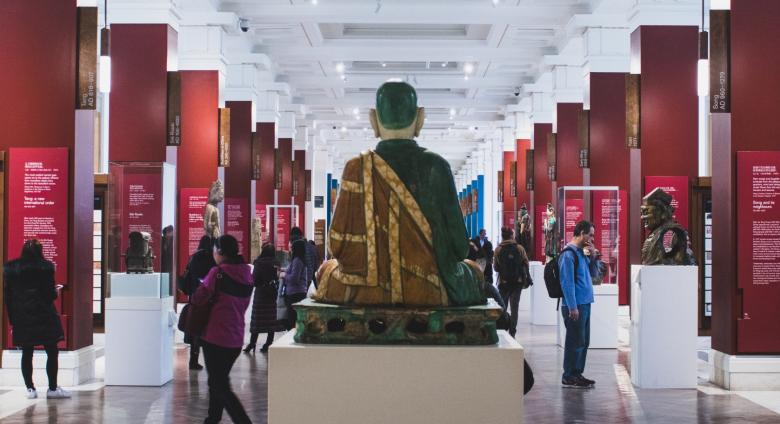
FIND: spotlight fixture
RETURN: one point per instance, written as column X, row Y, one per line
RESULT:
column 340, row 67
column 466, row 77
column 356, row 111
column 343, row 129
column 384, row 65
column 444, row 64
column 468, row 67
column 453, row 112
column 104, row 77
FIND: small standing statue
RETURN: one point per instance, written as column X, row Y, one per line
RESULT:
column 550, row 227
column 211, row 213
column 138, row 257
column 656, row 217
column 256, row 238
column 524, row 228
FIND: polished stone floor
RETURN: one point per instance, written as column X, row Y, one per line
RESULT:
column 614, row 400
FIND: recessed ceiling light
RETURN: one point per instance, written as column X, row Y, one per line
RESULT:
column 466, row 77
column 340, row 67
column 343, row 77
column 452, row 111
column 343, row 129
column 468, row 67
column 444, row 64
column 356, row 111
column 384, row 65
column 314, row 2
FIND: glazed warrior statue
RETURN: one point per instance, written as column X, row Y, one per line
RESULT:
column 656, row 217
column 211, row 213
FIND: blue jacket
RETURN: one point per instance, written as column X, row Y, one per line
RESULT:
column 576, row 284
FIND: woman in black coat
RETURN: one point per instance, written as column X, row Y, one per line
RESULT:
column 266, row 278
column 199, row 265
column 29, row 295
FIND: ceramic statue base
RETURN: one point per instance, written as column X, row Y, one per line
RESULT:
column 362, row 384
column 322, row 323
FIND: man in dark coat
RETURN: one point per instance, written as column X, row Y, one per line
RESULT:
column 199, row 265
column 484, row 254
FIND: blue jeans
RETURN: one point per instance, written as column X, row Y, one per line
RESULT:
column 577, row 341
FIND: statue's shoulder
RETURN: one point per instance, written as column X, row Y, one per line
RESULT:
column 434, row 160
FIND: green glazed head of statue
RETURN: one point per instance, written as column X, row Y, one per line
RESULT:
column 396, row 115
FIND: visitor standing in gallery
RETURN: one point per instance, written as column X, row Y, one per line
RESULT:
column 511, row 263
column 484, row 254
column 266, row 279
column 30, row 292
column 311, row 261
column 295, row 281
column 228, row 286
column 198, row 266
column 575, row 276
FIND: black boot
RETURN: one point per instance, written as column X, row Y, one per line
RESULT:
column 250, row 348
column 194, row 354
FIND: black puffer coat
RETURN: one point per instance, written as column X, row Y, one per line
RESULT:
column 29, row 297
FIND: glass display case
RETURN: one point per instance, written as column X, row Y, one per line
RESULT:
column 604, row 206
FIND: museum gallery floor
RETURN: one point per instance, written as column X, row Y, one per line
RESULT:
column 614, row 400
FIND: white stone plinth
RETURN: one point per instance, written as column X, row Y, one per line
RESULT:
column 139, row 341
column 138, row 285
column 603, row 318
column 345, row 384
column 745, row 372
column 75, row 367
column 664, row 326
column 542, row 306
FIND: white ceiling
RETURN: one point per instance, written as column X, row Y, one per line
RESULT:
column 471, row 61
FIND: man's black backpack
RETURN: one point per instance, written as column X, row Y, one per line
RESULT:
column 552, row 278
column 510, row 264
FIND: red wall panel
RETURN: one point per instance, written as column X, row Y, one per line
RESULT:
column 568, row 145
column 266, row 133
column 285, row 153
column 38, row 82
column 238, row 175
column 542, row 184
column 196, row 164
column 139, row 66
column 300, row 176
column 523, row 195
column 609, row 156
column 754, row 126
column 509, row 201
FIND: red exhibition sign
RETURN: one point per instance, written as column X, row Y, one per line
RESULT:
column 262, row 215
column 38, row 192
column 574, row 213
column 677, row 187
column 237, row 223
column 611, row 220
column 192, row 202
column 142, row 209
column 282, row 228
column 758, row 257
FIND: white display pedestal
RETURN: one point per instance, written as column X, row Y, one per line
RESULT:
column 745, row 372
column 542, row 306
column 345, row 384
column 664, row 326
column 603, row 318
column 138, row 285
column 75, row 367
column 139, row 341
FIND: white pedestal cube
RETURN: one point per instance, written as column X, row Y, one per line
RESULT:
column 603, row 318
column 345, row 384
column 664, row 326
column 139, row 341
column 542, row 306
column 138, row 285
column 745, row 372
column 75, row 367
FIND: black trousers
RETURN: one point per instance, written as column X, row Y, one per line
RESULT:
column 52, row 365
column 511, row 296
column 268, row 340
column 289, row 300
column 219, row 362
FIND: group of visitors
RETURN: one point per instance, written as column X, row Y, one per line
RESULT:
column 576, row 266
column 224, row 282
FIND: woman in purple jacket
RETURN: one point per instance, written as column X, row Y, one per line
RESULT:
column 296, row 283
column 229, row 286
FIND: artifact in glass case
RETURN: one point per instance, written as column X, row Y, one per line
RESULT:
column 139, row 258
column 667, row 241
column 399, row 273
column 524, row 228
column 211, row 213
column 550, row 229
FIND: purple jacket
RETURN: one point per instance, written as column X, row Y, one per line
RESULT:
column 295, row 278
column 226, row 322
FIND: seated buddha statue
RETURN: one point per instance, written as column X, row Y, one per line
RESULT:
column 397, row 235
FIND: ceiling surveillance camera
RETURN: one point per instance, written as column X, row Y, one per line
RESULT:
column 517, row 91
column 243, row 24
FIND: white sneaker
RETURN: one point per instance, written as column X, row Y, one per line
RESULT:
column 58, row 393
column 32, row 394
